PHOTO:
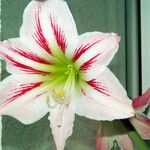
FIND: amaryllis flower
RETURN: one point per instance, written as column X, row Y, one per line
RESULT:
column 141, row 122
column 55, row 70
column 113, row 134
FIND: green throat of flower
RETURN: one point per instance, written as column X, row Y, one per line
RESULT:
column 65, row 79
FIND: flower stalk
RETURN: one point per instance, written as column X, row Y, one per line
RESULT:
column 137, row 140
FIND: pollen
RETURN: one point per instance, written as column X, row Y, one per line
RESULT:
column 47, row 99
column 60, row 95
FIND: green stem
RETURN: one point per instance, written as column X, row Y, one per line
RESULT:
column 137, row 140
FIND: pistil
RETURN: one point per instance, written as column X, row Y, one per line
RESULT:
column 61, row 97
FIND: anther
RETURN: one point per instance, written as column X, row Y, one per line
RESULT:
column 60, row 94
column 48, row 104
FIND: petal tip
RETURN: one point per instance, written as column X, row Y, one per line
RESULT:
column 116, row 36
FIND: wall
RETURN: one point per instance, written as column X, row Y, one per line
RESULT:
column 145, row 20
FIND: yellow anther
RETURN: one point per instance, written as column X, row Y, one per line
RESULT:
column 47, row 99
column 52, row 90
column 60, row 95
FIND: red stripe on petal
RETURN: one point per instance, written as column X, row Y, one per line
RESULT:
column 21, row 66
column 28, row 55
column 82, row 49
column 37, row 96
column 143, row 118
column 89, row 63
column 23, row 89
column 141, row 101
column 98, row 86
column 59, row 34
column 39, row 36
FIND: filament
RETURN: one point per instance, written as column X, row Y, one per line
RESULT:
column 59, row 121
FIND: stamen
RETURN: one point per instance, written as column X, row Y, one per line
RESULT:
column 48, row 104
column 59, row 121
column 60, row 95
column 60, row 99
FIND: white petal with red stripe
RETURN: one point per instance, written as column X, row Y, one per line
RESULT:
column 25, row 102
column 104, row 99
column 59, row 25
column 20, row 58
column 31, row 31
column 48, row 28
column 61, row 121
column 94, row 52
column 30, row 78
